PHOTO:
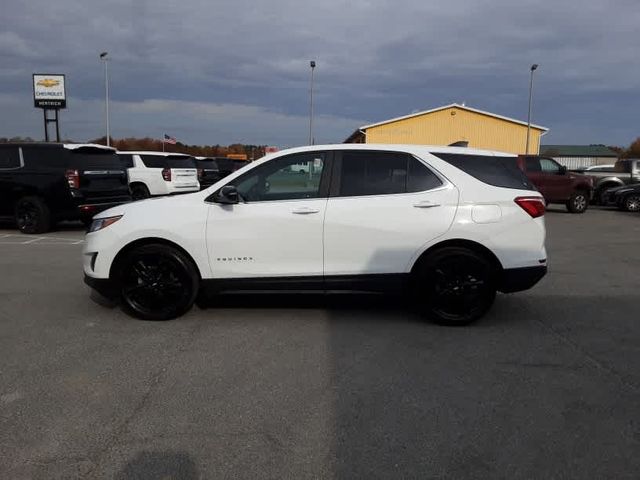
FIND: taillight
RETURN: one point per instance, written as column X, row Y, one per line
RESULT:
column 534, row 206
column 73, row 178
column 200, row 173
column 166, row 174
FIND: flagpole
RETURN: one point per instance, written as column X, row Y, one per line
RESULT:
column 163, row 143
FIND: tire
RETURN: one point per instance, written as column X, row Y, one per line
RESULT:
column 139, row 192
column 631, row 203
column 455, row 286
column 32, row 215
column 578, row 201
column 156, row 282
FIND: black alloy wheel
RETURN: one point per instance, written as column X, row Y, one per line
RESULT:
column 460, row 285
column 632, row 203
column 157, row 282
column 32, row 215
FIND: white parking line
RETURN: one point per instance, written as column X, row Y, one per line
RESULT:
column 33, row 240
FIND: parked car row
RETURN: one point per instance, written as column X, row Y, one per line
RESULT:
column 44, row 183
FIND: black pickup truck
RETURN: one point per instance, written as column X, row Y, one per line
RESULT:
column 42, row 183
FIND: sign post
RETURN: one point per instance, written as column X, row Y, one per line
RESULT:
column 49, row 93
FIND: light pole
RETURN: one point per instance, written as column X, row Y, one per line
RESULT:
column 533, row 68
column 104, row 57
column 312, row 64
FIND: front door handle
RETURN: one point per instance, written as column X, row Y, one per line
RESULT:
column 304, row 210
column 426, row 204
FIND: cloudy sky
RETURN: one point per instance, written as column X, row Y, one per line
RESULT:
column 211, row 71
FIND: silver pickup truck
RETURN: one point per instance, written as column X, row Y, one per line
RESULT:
column 625, row 172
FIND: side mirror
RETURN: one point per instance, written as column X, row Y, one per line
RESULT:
column 563, row 170
column 228, row 195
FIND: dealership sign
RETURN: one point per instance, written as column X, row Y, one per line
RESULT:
column 49, row 91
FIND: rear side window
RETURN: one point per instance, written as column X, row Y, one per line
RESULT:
column 623, row 166
column 9, row 158
column 46, row 157
column 533, row 164
column 160, row 161
column 496, row 171
column 383, row 173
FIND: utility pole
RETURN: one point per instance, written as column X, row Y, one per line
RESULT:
column 104, row 57
column 311, row 139
column 533, row 69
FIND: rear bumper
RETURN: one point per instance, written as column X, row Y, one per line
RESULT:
column 104, row 286
column 518, row 279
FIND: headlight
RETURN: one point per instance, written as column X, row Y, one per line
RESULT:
column 100, row 223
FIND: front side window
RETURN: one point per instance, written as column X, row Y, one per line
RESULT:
column 549, row 166
column 287, row 178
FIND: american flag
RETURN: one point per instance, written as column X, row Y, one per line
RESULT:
column 169, row 139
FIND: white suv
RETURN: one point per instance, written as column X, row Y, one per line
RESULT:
column 449, row 225
column 159, row 173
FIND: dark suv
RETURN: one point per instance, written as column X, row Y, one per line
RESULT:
column 42, row 183
column 556, row 184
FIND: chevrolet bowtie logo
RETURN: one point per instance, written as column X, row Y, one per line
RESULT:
column 48, row 82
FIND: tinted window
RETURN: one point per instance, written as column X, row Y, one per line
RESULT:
column 549, row 166
column 9, row 157
column 372, row 173
column 287, row 178
column 207, row 164
column 533, row 164
column 46, row 157
column 623, row 166
column 497, row 171
column 169, row 161
column 420, row 178
column 126, row 160
column 93, row 158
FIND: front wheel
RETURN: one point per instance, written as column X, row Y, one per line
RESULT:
column 157, row 282
column 632, row 203
column 578, row 202
column 455, row 286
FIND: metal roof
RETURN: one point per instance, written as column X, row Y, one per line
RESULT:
column 454, row 105
column 577, row 151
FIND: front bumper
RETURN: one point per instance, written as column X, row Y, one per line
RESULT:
column 518, row 279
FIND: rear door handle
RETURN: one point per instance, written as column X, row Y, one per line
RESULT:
column 304, row 210
column 426, row 204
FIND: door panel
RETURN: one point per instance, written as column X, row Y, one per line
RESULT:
column 276, row 230
column 367, row 234
column 266, row 239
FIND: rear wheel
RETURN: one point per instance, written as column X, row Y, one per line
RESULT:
column 578, row 202
column 139, row 192
column 157, row 282
column 32, row 215
column 455, row 286
column 631, row 203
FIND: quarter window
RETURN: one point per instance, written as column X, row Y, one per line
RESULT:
column 287, row 178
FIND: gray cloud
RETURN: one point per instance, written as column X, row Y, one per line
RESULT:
column 376, row 59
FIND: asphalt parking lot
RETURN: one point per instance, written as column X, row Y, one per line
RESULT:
column 547, row 386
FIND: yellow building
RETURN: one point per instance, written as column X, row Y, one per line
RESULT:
column 454, row 124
